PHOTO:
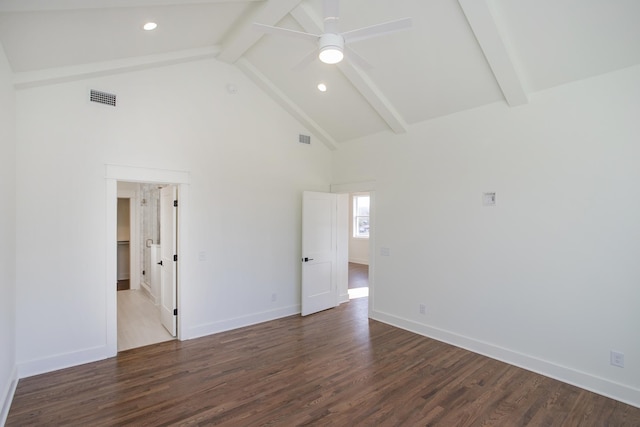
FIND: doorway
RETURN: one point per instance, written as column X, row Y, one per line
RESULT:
column 131, row 174
column 138, row 298
column 359, row 234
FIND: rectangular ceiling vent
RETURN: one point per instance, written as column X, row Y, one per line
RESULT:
column 304, row 139
column 103, row 98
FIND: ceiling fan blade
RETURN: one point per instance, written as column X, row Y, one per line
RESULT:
column 356, row 59
column 279, row 31
column 377, row 30
column 308, row 59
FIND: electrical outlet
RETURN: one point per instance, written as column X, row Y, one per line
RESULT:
column 423, row 309
column 274, row 297
column 617, row 359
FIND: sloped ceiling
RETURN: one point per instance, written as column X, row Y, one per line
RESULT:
column 459, row 54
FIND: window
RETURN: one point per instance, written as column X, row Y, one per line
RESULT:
column 361, row 216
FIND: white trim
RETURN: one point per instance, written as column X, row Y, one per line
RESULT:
column 285, row 102
column 342, row 246
column 111, row 269
column 607, row 388
column 148, row 175
column 242, row 321
column 342, row 298
column 61, row 361
column 485, row 27
column 370, row 92
column 359, row 261
column 354, row 187
column 113, row 174
column 29, row 79
column 365, row 187
column 9, row 392
column 238, row 41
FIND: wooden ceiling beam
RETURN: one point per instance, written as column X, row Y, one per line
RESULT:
column 311, row 23
column 243, row 36
column 484, row 26
column 285, row 102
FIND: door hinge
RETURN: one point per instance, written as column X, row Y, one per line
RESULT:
column 175, row 311
column 175, row 203
column 175, row 257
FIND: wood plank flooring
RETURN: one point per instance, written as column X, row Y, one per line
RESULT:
column 332, row 368
column 123, row 285
column 358, row 275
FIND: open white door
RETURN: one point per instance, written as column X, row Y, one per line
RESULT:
column 319, row 252
column 168, row 258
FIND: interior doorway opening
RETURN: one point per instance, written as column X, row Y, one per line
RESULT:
column 133, row 174
column 359, row 233
column 139, row 240
column 358, row 280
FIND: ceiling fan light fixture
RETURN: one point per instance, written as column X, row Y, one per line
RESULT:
column 331, row 48
column 330, row 55
column 150, row 26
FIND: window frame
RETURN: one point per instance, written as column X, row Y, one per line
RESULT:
column 355, row 233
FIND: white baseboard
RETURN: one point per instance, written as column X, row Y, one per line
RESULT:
column 343, row 298
column 62, row 361
column 359, row 261
column 240, row 322
column 604, row 387
column 147, row 290
column 7, row 396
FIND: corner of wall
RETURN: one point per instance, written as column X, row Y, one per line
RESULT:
column 7, row 396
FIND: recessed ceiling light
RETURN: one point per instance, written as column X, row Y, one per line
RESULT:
column 322, row 87
column 150, row 26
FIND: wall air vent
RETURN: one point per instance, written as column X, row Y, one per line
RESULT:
column 103, row 98
column 304, row 139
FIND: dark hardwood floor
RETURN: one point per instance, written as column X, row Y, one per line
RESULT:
column 332, row 368
column 358, row 276
column 123, row 285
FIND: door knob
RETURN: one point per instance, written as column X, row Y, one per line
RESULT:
column 307, row 259
column 160, row 263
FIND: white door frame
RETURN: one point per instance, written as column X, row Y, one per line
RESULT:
column 113, row 174
column 365, row 187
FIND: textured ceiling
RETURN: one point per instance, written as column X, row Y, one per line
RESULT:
column 459, row 54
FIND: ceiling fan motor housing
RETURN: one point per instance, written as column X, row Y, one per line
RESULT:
column 331, row 48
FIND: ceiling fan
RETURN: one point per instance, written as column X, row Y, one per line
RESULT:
column 332, row 43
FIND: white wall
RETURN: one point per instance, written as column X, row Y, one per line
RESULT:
column 358, row 247
column 247, row 172
column 549, row 278
column 8, row 373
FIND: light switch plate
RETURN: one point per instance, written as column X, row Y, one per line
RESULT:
column 489, row 199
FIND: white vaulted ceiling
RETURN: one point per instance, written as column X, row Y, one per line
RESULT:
column 459, row 54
